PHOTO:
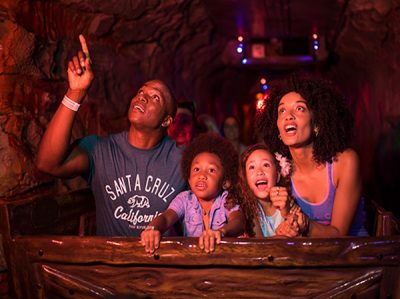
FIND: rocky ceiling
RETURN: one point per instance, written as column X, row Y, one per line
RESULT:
column 290, row 24
column 275, row 18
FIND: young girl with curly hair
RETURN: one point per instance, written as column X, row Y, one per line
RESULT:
column 210, row 209
column 265, row 198
column 307, row 121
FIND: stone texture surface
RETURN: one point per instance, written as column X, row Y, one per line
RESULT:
column 368, row 71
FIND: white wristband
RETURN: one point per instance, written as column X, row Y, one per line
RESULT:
column 70, row 104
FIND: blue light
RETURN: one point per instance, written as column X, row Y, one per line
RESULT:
column 244, row 60
column 265, row 87
column 239, row 49
column 315, row 47
column 315, row 42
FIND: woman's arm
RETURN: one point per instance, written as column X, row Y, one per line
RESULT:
column 347, row 179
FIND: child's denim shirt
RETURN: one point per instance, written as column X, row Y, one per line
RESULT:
column 188, row 209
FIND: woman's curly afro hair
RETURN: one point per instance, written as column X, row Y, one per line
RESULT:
column 330, row 115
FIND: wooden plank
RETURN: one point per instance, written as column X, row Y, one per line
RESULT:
column 40, row 213
column 305, row 252
column 54, row 265
column 87, row 267
column 63, row 281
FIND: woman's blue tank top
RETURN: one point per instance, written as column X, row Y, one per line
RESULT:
column 322, row 212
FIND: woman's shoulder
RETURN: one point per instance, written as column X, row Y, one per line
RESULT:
column 346, row 161
column 347, row 156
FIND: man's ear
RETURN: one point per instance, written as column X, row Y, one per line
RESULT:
column 226, row 184
column 167, row 121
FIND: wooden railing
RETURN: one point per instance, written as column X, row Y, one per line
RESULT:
column 90, row 267
column 50, row 255
column 386, row 223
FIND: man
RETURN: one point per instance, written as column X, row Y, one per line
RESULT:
column 135, row 174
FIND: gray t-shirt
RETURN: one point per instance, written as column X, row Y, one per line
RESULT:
column 131, row 186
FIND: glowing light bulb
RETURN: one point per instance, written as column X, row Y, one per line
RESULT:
column 244, row 60
column 239, row 49
column 263, row 81
column 259, row 96
column 240, row 38
column 260, row 104
column 315, row 36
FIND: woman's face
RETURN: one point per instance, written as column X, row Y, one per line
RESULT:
column 294, row 120
column 261, row 173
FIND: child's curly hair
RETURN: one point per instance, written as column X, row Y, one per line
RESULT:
column 247, row 200
column 329, row 114
column 224, row 150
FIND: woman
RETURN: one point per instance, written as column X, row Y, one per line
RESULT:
column 307, row 121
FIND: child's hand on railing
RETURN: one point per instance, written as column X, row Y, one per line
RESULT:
column 209, row 238
column 150, row 239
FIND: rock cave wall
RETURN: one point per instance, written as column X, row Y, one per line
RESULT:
column 175, row 40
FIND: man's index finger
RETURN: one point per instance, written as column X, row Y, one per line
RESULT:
column 84, row 45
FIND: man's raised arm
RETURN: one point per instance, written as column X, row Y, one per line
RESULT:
column 55, row 155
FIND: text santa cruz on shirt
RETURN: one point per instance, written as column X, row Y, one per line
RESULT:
column 126, row 184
